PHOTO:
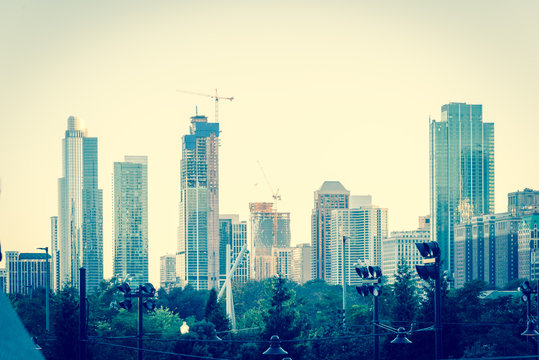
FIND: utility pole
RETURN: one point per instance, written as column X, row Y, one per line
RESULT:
column 375, row 329
column 83, row 325
column 47, row 290
column 438, row 311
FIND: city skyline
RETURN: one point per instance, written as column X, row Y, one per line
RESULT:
column 308, row 105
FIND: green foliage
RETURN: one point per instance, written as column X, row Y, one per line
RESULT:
column 279, row 315
column 215, row 312
column 65, row 324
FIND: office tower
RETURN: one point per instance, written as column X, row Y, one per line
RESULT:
column 80, row 213
column 130, row 258
column 25, row 272
column 364, row 228
column 3, row 280
column 167, row 273
column 233, row 232
column 486, row 248
column 302, row 263
column 331, row 195
column 523, row 203
column 461, row 172
column 282, row 262
column 528, row 247
column 269, row 229
column 400, row 246
column 198, row 232
column 55, row 255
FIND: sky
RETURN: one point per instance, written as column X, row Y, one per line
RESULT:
column 339, row 90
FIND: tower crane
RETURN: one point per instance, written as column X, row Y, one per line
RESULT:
column 215, row 97
column 276, row 197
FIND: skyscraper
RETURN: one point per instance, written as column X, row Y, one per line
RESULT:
column 198, row 232
column 461, row 172
column 131, row 219
column 55, row 254
column 233, row 232
column 331, row 195
column 25, row 272
column 80, row 209
column 167, row 271
column 269, row 229
column 365, row 228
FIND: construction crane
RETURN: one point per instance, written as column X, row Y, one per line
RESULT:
column 276, row 197
column 215, row 97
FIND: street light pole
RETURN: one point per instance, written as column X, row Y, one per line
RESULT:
column 438, row 312
column 47, row 290
column 139, row 328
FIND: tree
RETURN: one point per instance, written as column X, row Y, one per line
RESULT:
column 65, row 324
column 279, row 316
column 215, row 313
column 405, row 300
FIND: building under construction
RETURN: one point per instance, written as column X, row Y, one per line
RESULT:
column 198, row 232
column 269, row 229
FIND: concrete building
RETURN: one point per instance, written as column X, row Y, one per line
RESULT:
column 302, row 263
column 461, row 173
column 331, row 195
column 365, row 228
column 523, row 203
column 233, row 232
column 269, row 229
column 486, row 248
column 198, row 232
column 80, row 210
column 25, row 272
column 167, row 271
column 282, row 262
column 55, row 255
column 400, row 246
column 130, row 230
column 528, row 247
column 3, row 280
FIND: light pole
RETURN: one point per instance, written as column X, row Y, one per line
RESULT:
column 47, row 290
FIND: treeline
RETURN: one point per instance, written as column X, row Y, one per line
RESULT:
column 308, row 318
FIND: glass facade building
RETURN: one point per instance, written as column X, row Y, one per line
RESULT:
column 131, row 219
column 80, row 210
column 331, row 195
column 197, row 260
column 233, row 232
column 461, row 172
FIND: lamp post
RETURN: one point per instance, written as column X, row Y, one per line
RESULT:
column 47, row 289
column 371, row 277
column 144, row 291
column 275, row 348
column 430, row 251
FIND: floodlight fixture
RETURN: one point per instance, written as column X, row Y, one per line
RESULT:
column 125, row 288
column 184, row 329
column 149, row 304
column 126, row 304
column 375, row 290
column 147, row 289
column 275, row 347
column 363, row 290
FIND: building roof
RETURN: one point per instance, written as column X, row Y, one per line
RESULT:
column 494, row 294
column 33, row 256
column 333, row 187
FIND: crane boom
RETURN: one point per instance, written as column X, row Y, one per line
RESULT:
column 215, row 97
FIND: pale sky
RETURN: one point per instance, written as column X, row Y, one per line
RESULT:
column 324, row 90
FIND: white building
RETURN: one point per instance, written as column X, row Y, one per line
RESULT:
column 401, row 246
column 233, row 232
column 130, row 230
column 302, row 263
column 364, row 228
column 167, row 274
column 25, row 272
column 282, row 262
column 80, row 209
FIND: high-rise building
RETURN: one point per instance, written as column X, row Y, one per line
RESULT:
column 302, row 263
column 233, row 233
column 26, row 272
column 198, row 232
column 80, row 213
column 282, row 262
column 461, row 172
column 331, row 195
column 167, row 274
column 364, row 228
column 400, row 246
column 130, row 258
column 269, row 229
column 523, row 203
column 528, row 247
column 3, row 280
column 55, row 255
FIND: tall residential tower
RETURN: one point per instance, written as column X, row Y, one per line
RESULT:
column 198, row 232
column 80, row 209
column 131, row 219
column 461, row 172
